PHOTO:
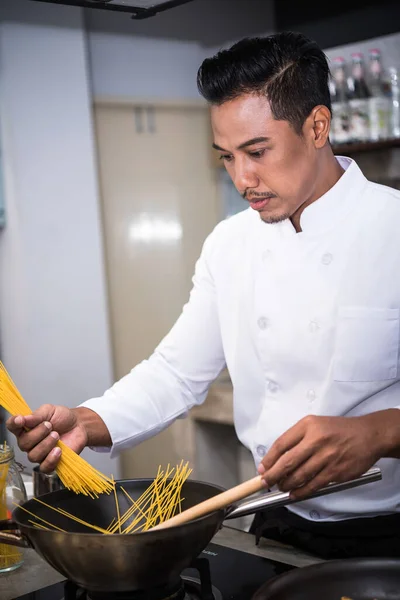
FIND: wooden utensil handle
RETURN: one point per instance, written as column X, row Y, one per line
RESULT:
column 222, row 500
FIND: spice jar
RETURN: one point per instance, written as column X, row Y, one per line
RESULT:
column 12, row 493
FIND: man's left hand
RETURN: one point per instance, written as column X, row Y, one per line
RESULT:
column 320, row 450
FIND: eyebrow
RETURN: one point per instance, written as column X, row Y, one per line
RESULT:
column 251, row 142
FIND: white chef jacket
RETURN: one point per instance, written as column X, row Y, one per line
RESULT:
column 306, row 323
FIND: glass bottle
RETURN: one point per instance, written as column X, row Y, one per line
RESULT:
column 379, row 104
column 395, row 102
column 12, row 492
column 340, row 103
column 359, row 105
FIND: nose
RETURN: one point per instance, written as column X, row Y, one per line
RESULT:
column 245, row 176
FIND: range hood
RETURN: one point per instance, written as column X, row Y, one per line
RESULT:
column 139, row 9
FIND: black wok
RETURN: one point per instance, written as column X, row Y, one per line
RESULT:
column 136, row 561
column 359, row 579
column 119, row 562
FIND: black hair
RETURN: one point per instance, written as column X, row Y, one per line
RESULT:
column 288, row 68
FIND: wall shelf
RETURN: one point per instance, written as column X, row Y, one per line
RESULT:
column 341, row 149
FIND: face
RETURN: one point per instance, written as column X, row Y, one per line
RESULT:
column 272, row 167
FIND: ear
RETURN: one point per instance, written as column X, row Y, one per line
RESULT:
column 318, row 126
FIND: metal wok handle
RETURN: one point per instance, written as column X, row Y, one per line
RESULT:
column 277, row 499
column 12, row 539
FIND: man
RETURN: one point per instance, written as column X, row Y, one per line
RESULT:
column 298, row 296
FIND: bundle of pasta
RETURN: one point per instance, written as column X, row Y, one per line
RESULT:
column 75, row 473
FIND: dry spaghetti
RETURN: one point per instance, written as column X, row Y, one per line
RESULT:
column 160, row 501
column 75, row 473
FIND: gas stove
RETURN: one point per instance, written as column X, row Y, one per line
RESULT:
column 219, row 573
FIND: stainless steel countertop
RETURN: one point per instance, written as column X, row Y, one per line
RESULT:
column 35, row 573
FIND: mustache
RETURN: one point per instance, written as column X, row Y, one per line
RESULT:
column 248, row 195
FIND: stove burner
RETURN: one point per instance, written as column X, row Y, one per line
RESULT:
column 176, row 592
column 188, row 588
column 193, row 591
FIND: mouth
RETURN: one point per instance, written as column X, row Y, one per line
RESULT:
column 259, row 203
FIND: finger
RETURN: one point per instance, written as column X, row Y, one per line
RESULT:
column 288, row 463
column 303, row 474
column 319, row 481
column 43, row 413
column 41, row 450
column 50, row 463
column 283, row 444
column 29, row 439
column 15, row 425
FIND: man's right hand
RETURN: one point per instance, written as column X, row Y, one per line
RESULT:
column 38, row 433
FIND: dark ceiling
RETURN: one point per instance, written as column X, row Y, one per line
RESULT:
column 209, row 22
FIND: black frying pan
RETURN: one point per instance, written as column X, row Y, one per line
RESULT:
column 358, row 579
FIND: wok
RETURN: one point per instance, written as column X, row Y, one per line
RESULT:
column 356, row 578
column 137, row 561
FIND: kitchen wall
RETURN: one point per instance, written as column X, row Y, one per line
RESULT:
column 53, row 310
column 159, row 58
column 124, row 66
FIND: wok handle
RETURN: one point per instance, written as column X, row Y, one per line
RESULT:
column 225, row 500
column 12, row 539
column 277, row 499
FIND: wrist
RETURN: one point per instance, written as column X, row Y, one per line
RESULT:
column 385, row 429
column 95, row 429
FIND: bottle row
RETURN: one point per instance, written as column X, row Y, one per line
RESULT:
column 365, row 99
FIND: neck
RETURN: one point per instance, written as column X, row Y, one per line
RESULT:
column 330, row 173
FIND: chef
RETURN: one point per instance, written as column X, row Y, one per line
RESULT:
column 298, row 296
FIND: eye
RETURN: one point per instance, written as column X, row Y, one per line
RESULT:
column 227, row 157
column 257, row 153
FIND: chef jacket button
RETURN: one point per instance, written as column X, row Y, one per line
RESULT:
column 311, row 395
column 272, row 386
column 313, row 326
column 266, row 255
column 327, row 258
column 314, row 514
column 262, row 323
column 261, row 451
